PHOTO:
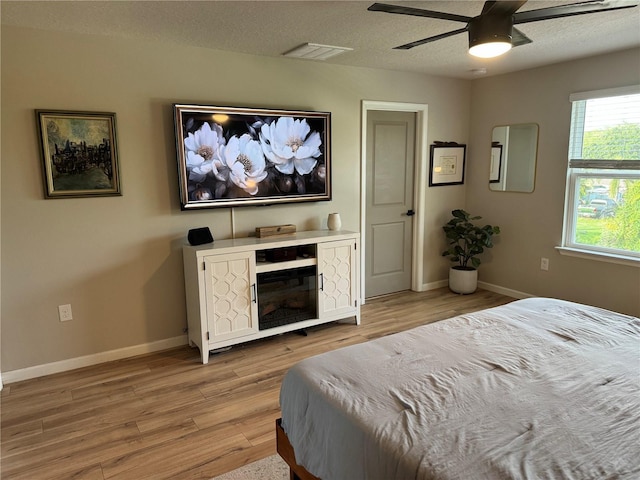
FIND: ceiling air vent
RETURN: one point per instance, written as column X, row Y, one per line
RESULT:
column 314, row 51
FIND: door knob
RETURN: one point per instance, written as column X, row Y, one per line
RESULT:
column 410, row 213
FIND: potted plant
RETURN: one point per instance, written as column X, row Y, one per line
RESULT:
column 466, row 241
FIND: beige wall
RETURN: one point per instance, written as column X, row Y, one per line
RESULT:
column 117, row 260
column 532, row 222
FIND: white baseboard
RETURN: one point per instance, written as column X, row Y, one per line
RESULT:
column 434, row 285
column 79, row 362
column 504, row 291
column 487, row 286
column 484, row 285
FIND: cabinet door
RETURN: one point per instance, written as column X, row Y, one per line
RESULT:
column 337, row 270
column 230, row 282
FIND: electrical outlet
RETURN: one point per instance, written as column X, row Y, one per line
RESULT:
column 64, row 312
column 544, row 264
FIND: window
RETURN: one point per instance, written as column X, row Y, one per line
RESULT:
column 602, row 209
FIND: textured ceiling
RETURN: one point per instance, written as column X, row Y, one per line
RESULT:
column 270, row 28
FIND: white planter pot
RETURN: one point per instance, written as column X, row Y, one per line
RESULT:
column 463, row 281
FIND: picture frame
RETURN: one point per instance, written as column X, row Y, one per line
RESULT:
column 446, row 164
column 495, row 169
column 236, row 156
column 79, row 153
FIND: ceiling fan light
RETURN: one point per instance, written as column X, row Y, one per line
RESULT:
column 490, row 49
column 490, row 35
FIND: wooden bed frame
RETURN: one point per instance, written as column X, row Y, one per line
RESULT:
column 285, row 450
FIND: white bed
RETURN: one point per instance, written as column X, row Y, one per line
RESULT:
column 536, row 389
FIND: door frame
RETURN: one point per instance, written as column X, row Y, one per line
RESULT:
column 419, row 186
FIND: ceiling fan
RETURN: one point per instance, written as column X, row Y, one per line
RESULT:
column 492, row 33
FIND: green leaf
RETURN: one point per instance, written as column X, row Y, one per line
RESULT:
column 466, row 241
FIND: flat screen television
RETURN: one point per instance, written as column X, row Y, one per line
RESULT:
column 229, row 156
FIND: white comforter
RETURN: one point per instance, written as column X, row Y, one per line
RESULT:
column 536, row 389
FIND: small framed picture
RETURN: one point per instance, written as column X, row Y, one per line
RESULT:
column 79, row 153
column 496, row 164
column 446, row 165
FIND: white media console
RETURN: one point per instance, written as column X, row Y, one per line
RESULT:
column 249, row 288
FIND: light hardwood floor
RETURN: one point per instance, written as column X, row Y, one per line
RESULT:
column 165, row 415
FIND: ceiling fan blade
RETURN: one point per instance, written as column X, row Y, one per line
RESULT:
column 581, row 8
column 518, row 38
column 430, row 39
column 417, row 12
column 502, row 8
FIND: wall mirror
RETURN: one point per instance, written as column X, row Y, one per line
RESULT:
column 514, row 149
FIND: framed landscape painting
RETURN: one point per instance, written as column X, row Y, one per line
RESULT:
column 230, row 156
column 79, row 153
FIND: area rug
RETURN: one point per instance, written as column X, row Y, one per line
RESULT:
column 270, row 468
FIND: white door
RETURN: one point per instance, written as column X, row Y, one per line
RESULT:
column 389, row 201
column 230, row 285
column 337, row 279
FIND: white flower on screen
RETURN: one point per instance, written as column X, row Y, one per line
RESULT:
column 245, row 160
column 203, row 152
column 289, row 144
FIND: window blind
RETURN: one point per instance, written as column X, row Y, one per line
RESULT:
column 604, row 131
